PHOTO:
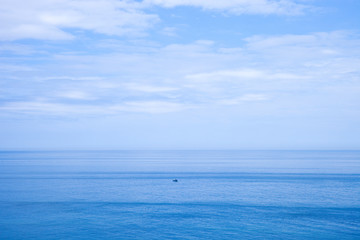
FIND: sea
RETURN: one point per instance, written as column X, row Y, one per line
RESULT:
column 218, row 195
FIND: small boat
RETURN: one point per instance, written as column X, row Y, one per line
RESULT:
column 175, row 180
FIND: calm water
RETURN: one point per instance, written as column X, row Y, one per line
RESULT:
column 219, row 195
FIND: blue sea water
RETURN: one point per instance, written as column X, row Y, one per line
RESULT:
column 219, row 195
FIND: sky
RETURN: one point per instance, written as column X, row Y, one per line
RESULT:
column 179, row 74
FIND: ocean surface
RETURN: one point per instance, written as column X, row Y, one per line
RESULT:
column 219, row 195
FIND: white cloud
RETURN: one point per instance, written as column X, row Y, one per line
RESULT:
column 244, row 98
column 281, row 7
column 44, row 107
column 149, row 88
column 323, row 39
column 80, row 95
column 51, row 19
column 56, row 19
column 199, row 74
column 17, row 49
column 169, row 31
column 150, row 107
column 318, row 54
column 242, row 74
column 36, row 31
column 70, row 78
column 16, row 68
column 220, row 75
column 253, row 97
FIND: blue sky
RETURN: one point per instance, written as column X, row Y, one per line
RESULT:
column 179, row 74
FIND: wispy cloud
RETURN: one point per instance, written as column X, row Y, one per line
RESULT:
column 17, row 49
column 70, row 78
column 43, row 107
column 169, row 31
column 149, row 88
column 220, row 75
column 50, row 20
column 324, row 39
column 243, row 99
column 243, row 79
column 16, row 68
column 283, row 7
column 150, row 107
column 176, row 77
column 243, row 74
column 178, row 66
column 62, row 109
column 60, row 19
column 81, row 95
